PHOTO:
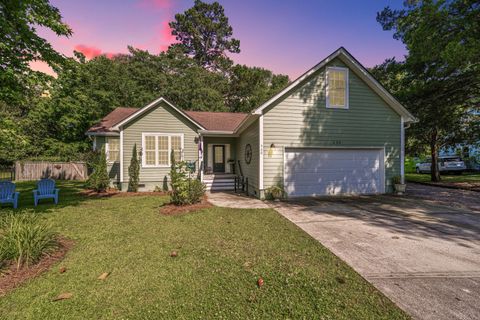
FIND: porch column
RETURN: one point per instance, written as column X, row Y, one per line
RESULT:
column 200, row 156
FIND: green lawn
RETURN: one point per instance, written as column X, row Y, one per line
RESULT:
column 222, row 252
column 468, row 177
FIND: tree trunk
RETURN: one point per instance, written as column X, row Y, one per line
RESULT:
column 435, row 173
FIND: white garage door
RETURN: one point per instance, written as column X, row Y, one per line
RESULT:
column 314, row 172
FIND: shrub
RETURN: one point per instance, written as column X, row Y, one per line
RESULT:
column 24, row 239
column 134, row 171
column 196, row 191
column 99, row 180
column 185, row 190
column 275, row 192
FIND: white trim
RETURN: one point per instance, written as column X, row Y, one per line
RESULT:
column 148, row 107
column 327, row 92
column 215, row 132
column 356, row 67
column 260, row 153
column 201, row 151
column 209, row 156
column 121, row 156
column 94, row 146
column 227, row 157
column 382, row 160
column 383, row 168
column 102, row 134
column 156, row 135
column 402, row 150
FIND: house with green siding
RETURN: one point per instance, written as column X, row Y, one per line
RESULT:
column 334, row 130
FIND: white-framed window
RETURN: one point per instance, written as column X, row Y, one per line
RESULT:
column 112, row 148
column 156, row 148
column 337, row 87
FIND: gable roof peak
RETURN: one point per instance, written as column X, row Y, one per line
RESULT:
column 359, row 70
column 151, row 105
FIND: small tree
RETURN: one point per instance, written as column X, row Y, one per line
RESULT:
column 185, row 190
column 99, row 179
column 134, row 171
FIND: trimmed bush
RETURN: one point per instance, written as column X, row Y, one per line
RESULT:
column 24, row 239
column 134, row 171
column 99, row 179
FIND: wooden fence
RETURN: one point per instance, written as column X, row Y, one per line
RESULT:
column 35, row 170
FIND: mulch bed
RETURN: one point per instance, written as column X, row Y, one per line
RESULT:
column 115, row 193
column 11, row 278
column 453, row 185
column 171, row 209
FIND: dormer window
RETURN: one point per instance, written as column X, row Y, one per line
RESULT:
column 337, row 88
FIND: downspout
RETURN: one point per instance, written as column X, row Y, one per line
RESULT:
column 200, row 155
column 260, row 157
column 402, row 150
column 121, row 157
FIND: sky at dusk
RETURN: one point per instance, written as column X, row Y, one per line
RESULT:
column 284, row 36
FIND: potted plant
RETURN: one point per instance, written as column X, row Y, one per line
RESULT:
column 398, row 185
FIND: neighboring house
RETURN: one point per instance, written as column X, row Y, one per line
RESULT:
column 334, row 130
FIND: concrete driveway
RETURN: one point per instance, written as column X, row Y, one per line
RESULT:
column 420, row 252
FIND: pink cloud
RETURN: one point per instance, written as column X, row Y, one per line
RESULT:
column 91, row 52
column 166, row 32
column 166, row 38
column 156, row 4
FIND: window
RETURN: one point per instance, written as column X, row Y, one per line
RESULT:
column 149, row 150
column 113, row 149
column 163, row 150
column 157, row 146
column 176, row 142
column 337, row 88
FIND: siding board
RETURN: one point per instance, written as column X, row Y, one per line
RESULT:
column 302, row 119
column 161, row 119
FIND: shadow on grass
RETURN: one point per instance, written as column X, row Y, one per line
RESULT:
column 70, row 195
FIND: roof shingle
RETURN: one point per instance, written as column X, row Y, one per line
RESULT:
column 112, row 119
column 217, row 121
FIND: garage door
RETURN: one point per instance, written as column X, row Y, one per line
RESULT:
column 314, row 172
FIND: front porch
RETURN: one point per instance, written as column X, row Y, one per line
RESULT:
column 220, row 168
column 219, row 155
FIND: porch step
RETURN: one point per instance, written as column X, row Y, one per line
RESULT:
column 218, row 183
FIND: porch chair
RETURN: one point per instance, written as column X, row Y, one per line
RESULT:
column 8, row 194
column 45, row 190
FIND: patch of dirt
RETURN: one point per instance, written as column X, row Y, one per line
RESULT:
column 171, row 209
column 470, row 186
column 115, row 193
column 11, row 278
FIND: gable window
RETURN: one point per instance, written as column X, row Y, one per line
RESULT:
column 112, row 148
column 337, row 88
column 157, row 146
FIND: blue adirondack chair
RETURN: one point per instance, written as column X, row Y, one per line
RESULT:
column 45, row 190
column 8, row 194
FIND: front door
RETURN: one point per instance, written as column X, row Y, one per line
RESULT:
column 218, row 158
